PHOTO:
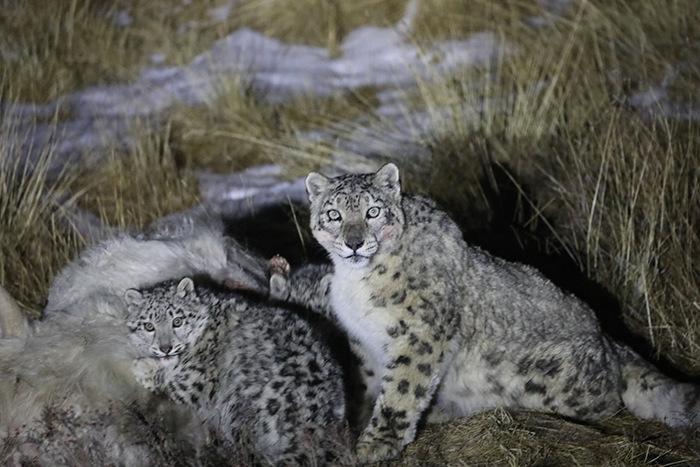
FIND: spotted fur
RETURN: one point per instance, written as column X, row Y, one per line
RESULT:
column 308, row 285
column 442, row 325
column 248, row 369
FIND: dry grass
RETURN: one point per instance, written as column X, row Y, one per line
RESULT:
column 237, row 130
column 322, row 23
column 615, row 193
column 553, row 167
column 453, row 19
column 628, row 206
column 129, row 189
column 33, row 244
column 51, row 51
column 501, row 437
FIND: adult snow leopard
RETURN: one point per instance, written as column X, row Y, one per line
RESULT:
column 441, row 324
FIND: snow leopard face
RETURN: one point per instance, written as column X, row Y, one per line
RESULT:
column 165, row 319
column 355, row 216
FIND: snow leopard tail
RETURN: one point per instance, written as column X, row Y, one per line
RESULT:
column 650, row 394
column 13, row 323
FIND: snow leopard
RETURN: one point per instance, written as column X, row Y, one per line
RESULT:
column 445, row 329
column 251, row 371
column 76, row 360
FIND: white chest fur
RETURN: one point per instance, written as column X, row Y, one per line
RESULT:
column 350, row 298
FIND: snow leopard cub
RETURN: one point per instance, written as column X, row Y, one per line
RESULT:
column 248, row 369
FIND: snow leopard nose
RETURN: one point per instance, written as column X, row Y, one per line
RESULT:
column 355, row 243
column 166, row 348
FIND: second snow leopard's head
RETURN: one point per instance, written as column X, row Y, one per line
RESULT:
column 164, row 320
column 356, row 216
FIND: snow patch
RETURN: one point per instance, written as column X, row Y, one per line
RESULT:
column 244, row 193
column 370, row 56
column 157, row 58
column 221, row 13
column 655, row 101
column 123, row 18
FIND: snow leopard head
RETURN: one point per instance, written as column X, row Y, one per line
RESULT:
column 357, row 215
column 165, row 320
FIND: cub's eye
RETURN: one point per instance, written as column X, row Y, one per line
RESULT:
column 177, row 322
column 373, row 212
column 149, row 327
column 333, row 215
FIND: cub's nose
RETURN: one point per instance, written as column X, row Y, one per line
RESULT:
column 166, row 348
column 354, row 245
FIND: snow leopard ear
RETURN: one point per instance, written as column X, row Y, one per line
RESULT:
column 185, row 287
column 133, row 297
column 387, row 178
column 316, row 184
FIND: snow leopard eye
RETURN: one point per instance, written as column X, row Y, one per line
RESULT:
column 333, row 215
column 177, row 322
column 149, row 327
column 373, row 212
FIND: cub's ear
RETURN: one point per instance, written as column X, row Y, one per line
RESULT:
column 185, row 287
column 387, row 178
column 316, row 184
column 133, row 297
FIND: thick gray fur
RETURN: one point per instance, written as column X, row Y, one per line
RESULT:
column 81, row 368
column 78, row 359
column 309, row 285
column 109, row 268
column 446, row 326
column 13, row 323
column 246, row 367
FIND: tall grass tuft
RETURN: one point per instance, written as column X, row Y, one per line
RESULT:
column 612, row 188
column 34, row 241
